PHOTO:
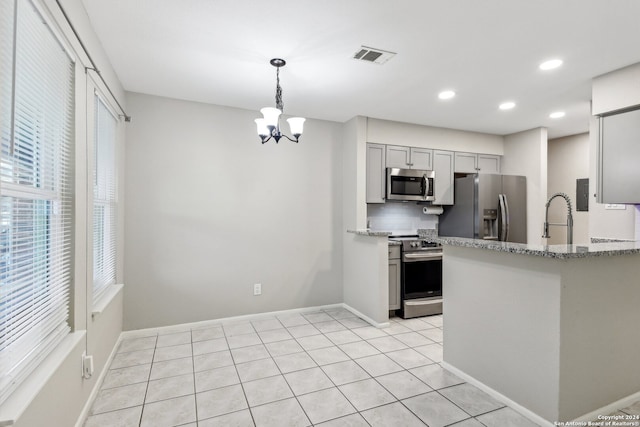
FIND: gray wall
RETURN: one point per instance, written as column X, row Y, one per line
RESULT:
column 210, row 211
column 568, row 161
column 525, row 153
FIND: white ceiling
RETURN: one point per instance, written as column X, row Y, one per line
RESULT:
column 488, row 51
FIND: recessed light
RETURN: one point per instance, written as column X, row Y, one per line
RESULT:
column 446, row 94
column 507, row 105
column 551, row 64
column 557, row 114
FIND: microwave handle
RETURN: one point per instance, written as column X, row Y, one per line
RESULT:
column 425, row 185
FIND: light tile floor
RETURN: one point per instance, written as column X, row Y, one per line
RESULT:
column 326, row 368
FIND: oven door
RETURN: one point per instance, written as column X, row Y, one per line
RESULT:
column 421, row 275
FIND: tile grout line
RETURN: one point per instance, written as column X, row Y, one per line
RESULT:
column 244, row 393
column 193, row 367
column 144, row 400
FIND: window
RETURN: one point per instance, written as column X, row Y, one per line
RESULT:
column 104, row 199
column 36, row 184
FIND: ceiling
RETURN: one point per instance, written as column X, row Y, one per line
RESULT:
column 487, row 51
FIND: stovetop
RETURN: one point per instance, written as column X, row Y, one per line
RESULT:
column 413, row 244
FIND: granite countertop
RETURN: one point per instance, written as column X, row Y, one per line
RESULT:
column 368, row 232
column 547, row 251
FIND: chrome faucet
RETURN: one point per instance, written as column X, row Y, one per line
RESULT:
column 569, row 223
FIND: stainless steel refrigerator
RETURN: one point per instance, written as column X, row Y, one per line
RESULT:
column 489, row 207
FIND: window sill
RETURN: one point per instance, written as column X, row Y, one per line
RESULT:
column 13, row 408
column 105, row 300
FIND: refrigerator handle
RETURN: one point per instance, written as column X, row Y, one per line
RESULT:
column 504, row 217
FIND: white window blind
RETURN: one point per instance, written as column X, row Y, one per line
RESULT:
column 104, row 199
column 37, row 130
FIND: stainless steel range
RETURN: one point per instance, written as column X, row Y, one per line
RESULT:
column 421, row 289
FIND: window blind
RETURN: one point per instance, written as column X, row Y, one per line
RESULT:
column 104, row 199
column 35, row 192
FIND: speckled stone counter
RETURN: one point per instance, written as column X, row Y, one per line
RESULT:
column 547, row 251
column 367, row 232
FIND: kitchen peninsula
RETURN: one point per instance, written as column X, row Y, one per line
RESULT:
column 554, row 329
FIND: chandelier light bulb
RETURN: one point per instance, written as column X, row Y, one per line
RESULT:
column 262, row 129
column 296, row 124
column 271, row 116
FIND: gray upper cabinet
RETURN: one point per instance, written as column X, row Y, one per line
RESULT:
column 375, row 173
column 476, row 163
column 618, row 177
column 466, row 162
column 398, row 157
column 488, row 163
column 421, row 158
column 443, row 163
column 409, row 157
column 443, row 167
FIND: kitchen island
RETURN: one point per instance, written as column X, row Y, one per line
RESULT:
column 553, row 330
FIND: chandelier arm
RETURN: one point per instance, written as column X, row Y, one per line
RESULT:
column 265, row 138
column 292, row 140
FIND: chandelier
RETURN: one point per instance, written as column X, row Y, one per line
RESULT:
column 269, row 124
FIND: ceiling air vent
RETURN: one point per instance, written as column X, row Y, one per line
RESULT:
column 375, row 56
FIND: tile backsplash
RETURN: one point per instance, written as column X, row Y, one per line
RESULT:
column 399, row 216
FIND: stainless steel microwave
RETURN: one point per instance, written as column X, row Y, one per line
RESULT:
column 410, row 184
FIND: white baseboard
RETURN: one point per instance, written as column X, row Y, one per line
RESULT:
column 364, row 317
column 591, row 416
column 610, row 408
column 138, row 333
column 499, row 396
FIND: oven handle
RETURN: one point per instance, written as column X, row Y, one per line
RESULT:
column 417, row 257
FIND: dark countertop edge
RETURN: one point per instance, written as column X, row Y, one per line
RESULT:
column 551, row 251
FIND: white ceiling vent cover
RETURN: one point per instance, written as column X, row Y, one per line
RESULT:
column 372, row 55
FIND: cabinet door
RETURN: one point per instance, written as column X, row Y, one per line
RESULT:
column 375, row 173
column 466, row 162
column 443, row 168
column 394, row 284
column 398, row 157
column 421, row 158
column 488, row 163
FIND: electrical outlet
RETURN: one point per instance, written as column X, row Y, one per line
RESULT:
column 257, row 289
column 87, row 366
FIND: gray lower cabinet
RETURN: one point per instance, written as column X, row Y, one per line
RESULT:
column 394, row 277
column 376, row 173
